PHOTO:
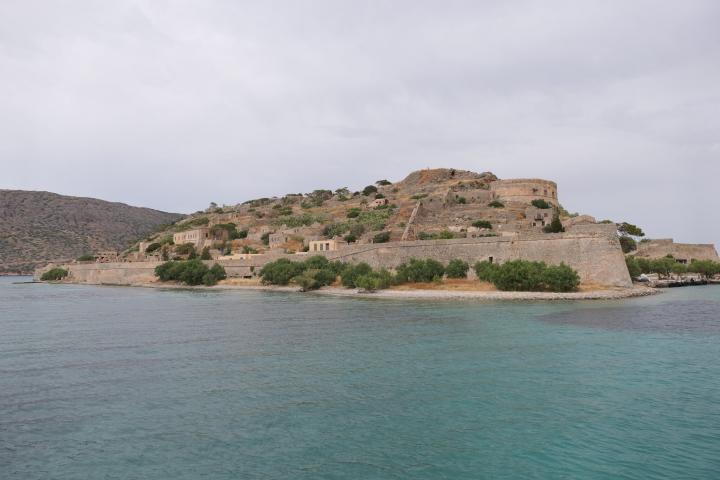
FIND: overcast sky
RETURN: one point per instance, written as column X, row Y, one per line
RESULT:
column 173, row 104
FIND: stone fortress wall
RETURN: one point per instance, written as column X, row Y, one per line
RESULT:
column 593, row 250
column 683, row 252
column 524, row 190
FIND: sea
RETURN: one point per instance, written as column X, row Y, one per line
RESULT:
column 102, row 382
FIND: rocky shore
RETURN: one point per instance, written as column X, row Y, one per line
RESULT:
column 600, row 294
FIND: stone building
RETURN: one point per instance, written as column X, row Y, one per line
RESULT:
column 325, row 245
column 197, row 236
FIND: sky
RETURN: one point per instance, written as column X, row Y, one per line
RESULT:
column 172, row 104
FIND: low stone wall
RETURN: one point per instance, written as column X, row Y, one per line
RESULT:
column 688, row 252
column 593, row 250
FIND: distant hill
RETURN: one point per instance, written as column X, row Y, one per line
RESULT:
column 37, row 227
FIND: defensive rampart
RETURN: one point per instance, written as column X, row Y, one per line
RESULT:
column 593, row 250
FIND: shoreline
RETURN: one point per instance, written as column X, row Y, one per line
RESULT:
column 418, row 294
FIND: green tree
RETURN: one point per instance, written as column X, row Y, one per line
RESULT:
column 205, row 255
column 633, row 266
column 540, row 203
column 352, row 272
column 415, row 270
column 369, row 189
column 86, row 258
column 485, row 271
column 381, row 237
column 457, row 268
column 560, row 278
column 482, row 224
column 555, row 226
column 54, row 274
column 496, row 204
column 627, row 244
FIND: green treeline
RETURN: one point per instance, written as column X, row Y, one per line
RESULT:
column 190, row 272
column 520, row 275
column 668, row 265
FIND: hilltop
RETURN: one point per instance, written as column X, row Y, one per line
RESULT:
column 426, row 204
column 38, row 227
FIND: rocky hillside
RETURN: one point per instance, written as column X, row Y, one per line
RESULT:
column 36, row 227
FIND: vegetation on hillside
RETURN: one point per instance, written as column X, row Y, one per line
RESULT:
column 190, row 272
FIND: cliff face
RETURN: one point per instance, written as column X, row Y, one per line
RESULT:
column 37, row 227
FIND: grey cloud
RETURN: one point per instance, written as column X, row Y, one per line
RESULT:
column 172, row 104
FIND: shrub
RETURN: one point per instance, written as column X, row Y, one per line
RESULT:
column 485, row 271
column 496, row 204
column 519, row 275
column 152, row 247
column 419, row 196
column 185, row 249
column 379, row 196
column 369, row 189
column 54, row 274
column 461, row 200
column 628, row 244
column 457, row 269
column 374, row 281
column 540, row 203
column 706, row 268
column 242, row 234
column 281, row 271
column 357, row 229
column 555, row 226
column 205, row 255
column 416, row 270
column 353, row 213
column 382, row 237
column 351, row 273
column 190, row 272
column 381, row 183
column 350, row 238
column 336, row 229
column 265, row 238
column 248, row 249
column 90, row 258
column 560, row 278
column 214, row 275
column 633, row 266
column 482, row 224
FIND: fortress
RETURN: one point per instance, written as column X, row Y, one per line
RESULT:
column 429, row 214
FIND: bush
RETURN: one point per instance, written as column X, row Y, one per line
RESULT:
column 382, row 183
column 214, row 275
column 185, row 249
column 353, row 212
column 265, row 238
column 519, row 275
column 457, row 269
column 706, row 268
column 560, row 278
column 190, row 272
column 540, row 203
column 335, row 229
column 482, row 224
column 632, row 266
column 248, row 249
column 87, row 258
column 382, row 237
column 374, row 280
column 54, row 274
column 152, row 247
column 461, row 200
column 369, row 189
column 628, row 244
column 555, row 226
column 205, row 255
column 526, row 276
column 351, row 273
column 350, row 238
column 485, row 271
column 496, row 204
column 416, row 270
column 281, row 271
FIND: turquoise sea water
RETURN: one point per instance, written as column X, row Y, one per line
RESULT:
column 130, row 383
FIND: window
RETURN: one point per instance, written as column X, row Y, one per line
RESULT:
column 490, row 259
